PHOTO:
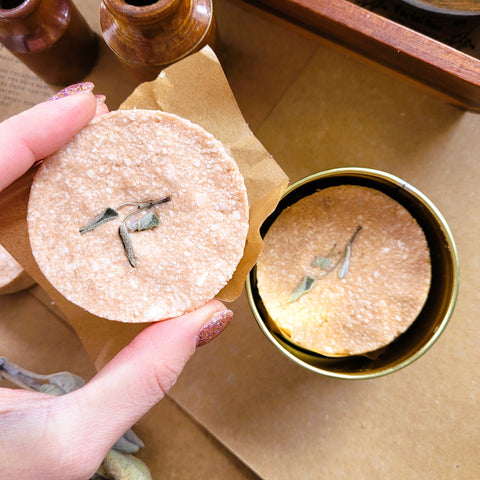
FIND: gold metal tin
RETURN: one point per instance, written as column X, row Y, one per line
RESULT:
column 440, row 302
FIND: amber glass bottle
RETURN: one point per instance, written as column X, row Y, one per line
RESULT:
column 50, row 37
column 148, row 35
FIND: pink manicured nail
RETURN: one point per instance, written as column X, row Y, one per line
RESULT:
column 73, row 90
column 214, row 327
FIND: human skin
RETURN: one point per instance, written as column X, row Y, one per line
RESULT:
column 67, row 437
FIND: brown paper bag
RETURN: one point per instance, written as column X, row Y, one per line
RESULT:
column 194, row 88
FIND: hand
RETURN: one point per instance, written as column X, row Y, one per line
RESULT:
column 42, row 130
column 67, row 437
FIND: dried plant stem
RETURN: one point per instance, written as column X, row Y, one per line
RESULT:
column 325, row 263
column 147, row 222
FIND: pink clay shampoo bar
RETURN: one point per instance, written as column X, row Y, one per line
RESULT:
column 344, row 271
column 142, row 216
column 13, row 277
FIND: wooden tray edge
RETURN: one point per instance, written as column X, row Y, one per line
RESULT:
column 443, row 70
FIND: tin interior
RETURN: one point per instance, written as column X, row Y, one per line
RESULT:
column 440, row 301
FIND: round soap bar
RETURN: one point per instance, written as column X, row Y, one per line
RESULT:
column 344, row 271
column 13, row 277
column 142, row 216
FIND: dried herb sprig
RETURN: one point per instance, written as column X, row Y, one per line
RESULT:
column 327, row 265
column 127, row 244
column 143, row 222
column 107, row 215
column 145, row 205
column 119, row 463
column 112, row 213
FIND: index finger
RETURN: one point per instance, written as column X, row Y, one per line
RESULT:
column 40, row 131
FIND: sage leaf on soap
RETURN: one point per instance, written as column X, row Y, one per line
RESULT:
column 324, row 262
column 328, row 266
column 342, row 271
column 127, row 243
column 135, row 221
column 107, row 215
column 153, row 203
column 146, row 222
column 305, row 285
column 145, row 205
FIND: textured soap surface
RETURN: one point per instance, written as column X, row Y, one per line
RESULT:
column 357, row 304
column 138, row 156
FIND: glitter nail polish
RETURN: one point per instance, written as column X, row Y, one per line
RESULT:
column 50, row 37
column 214, row 327
column 73, row 90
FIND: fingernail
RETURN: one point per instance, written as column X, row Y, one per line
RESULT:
column 73, row 90
column 214, row 327
column 100, row 98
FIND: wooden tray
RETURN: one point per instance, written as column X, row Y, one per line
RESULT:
column 447, row 7
column 441, row 68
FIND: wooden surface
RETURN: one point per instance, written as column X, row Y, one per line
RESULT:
column 60, row 48
column 452, row 7
column 443, row 70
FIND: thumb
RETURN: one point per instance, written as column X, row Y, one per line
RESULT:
column 141, row 374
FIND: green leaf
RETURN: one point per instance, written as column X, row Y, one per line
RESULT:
column 132, row 437
column 127, row 243
column 107, row 215
column 120, row 466
column 305, row 285
column 67, row 381
column 343, row 270
column 51, row 389
column 128, row 443
column 322, row 262
column 146, row 222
